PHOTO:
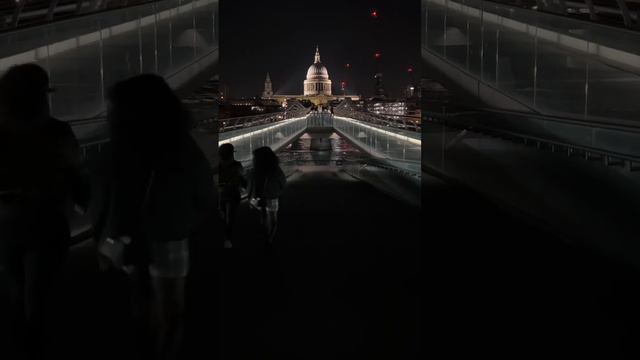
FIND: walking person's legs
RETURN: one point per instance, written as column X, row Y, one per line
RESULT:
column 168, row 272
column 169, row 314
column 227, row 209
column 271, row 219
column 232, row 209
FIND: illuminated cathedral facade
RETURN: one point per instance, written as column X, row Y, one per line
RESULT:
column 316, row 86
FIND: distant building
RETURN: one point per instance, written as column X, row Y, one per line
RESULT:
column 316, row 86
column 268, row 88
column 379, row 91
column 412, row 91
column 317, row 82
column 387, row 106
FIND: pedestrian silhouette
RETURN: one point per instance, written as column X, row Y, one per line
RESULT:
column 157, row 190
column 266, row 186
column 40, row 180
column 230, row 182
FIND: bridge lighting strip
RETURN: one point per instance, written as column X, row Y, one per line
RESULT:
column 386, row 132
column 249, row 134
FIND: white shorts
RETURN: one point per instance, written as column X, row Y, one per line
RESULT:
column 169, row 259
column 271, row 205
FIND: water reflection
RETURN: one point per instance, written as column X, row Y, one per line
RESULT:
column 320, row 148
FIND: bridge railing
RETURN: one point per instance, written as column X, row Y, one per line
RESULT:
column 230, row 124
column 243, row 122
column 532, row 61
column 620, row 13
column 613, row 145
column 22, row 13
column 274, row 134
column 86, row 55
column 321, row 119
column 394, row 146
column 403, row 122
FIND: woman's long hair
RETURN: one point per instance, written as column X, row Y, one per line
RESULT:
column 146, row 116
column 265, row 161
column 149, row 127
column 265, row 164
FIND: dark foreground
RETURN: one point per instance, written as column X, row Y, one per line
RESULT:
column 357, row 274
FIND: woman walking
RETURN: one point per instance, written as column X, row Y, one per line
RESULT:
column 267, row 183
column 158, row 190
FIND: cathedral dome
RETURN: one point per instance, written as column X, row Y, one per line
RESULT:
column 317, row 71
column 317, row 82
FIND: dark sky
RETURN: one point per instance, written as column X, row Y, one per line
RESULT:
column 280, row 37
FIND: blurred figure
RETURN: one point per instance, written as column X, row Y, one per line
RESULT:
column 230, row 182
column 158, row 190
column 40, row 179
column 267, row 183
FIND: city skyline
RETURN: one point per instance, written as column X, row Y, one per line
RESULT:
column 282, row 44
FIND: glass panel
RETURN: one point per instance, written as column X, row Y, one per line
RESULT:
column 435, row 28
column 490, row 36
column 516, row 58
column 456, row 37
column 183, row 36
column 613, row 92
column 204, row 28
column 75, row 72
column 147, row 36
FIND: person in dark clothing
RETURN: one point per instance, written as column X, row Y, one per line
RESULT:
column 157, row 191
column 40, row 180
column 230, row 182
column 267, row 183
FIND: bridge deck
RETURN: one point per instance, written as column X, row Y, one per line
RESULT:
column 343, row 282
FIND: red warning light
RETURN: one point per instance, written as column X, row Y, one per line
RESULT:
column 374, row 14
column 410, row 69
column 377, row 55
column 348, row 66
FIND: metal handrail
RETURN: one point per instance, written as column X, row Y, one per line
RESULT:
column 52, row 7
column 412, row 123
column 628, row 126
column 458, row 120
column 624, row 12
column 229, row 124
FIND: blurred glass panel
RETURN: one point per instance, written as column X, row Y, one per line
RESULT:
column 561, row 80
column 517, row 57
column 183, row 36
column 490, row 36
column 147, row 35
column 86, row 55
column 613, row 92
column 435, row 27
column 75, row 73
column 121, row 49
column 456, row 37
column 204, row 28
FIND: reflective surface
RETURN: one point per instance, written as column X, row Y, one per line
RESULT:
column 550, row 63
column 400, row 148
column 86, row 55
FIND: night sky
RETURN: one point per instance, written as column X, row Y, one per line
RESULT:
column 280, row 37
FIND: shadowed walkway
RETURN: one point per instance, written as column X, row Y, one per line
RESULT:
column 339, row 283
column 343, row 282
